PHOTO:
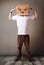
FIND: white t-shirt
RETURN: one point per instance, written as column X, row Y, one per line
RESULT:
column 22, row 23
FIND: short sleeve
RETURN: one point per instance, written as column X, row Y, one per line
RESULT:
column 14, row 17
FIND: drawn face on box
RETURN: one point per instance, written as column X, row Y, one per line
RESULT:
column 22, row 9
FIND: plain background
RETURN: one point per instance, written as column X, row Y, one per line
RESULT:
column 8, row 29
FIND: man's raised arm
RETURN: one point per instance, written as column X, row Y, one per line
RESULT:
column 10, row 14
column 35, row 14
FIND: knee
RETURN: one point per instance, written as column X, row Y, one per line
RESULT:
column 19, row 46
column 27, row 49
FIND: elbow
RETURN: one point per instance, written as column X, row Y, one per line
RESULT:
column 36, row 17
column 9, row 18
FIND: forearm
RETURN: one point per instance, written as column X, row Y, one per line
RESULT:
column 10, row 16
column 35, row 14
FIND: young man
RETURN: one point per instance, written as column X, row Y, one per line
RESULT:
column 23, row 34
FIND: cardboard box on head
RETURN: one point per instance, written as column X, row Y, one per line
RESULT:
column 22, row 9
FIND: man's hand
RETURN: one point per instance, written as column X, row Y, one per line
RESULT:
column 12, row 10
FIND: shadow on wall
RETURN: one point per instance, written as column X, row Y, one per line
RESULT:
column 8, row 29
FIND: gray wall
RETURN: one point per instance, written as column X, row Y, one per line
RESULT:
column 8, row 29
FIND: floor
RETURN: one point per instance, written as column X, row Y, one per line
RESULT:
column 10, row 60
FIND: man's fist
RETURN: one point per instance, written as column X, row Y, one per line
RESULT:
column 12, row 10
